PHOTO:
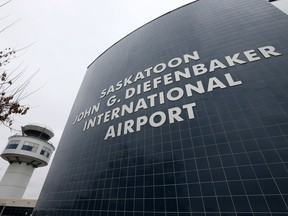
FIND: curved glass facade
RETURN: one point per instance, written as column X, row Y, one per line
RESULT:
column 186, row 115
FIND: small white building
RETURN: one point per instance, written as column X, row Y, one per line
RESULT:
column 17, row 206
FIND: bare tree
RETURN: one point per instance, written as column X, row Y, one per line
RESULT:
column 11, row 92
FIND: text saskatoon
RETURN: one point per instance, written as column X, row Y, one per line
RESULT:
column 174, row 114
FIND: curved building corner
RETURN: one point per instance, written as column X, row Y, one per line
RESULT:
column 187, row 115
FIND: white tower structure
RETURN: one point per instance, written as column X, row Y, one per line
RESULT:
column 25, row 152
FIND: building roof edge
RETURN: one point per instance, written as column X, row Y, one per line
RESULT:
column 139, row 28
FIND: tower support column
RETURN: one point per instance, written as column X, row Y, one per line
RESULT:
column 15, row 180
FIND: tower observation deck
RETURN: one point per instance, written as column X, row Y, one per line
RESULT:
column 25, row 152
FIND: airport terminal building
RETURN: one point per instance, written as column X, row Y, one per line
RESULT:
column 187, row 115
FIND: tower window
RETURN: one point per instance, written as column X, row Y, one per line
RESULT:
column 13, row 144
column 45, row 152
column 28, row 146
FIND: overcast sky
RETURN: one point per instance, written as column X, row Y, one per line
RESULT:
column 69, row 35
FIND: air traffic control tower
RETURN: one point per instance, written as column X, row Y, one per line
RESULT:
column 25, row 152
